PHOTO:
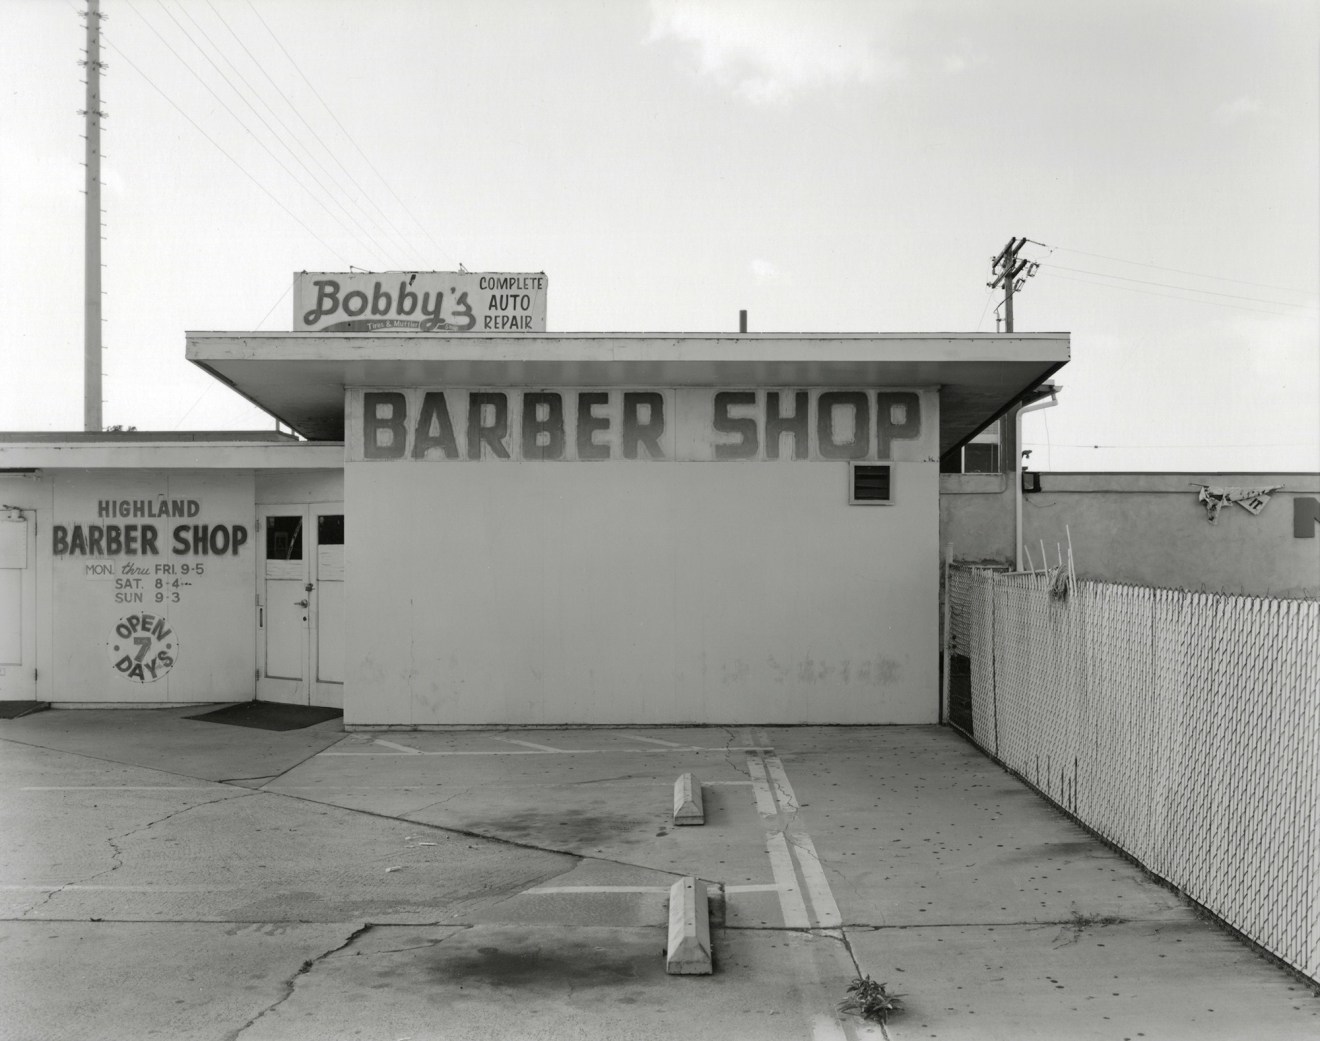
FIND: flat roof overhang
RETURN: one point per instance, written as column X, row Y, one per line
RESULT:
column 72, row 451
column 300, row 378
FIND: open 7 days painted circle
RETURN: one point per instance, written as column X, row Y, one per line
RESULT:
column 143, row 647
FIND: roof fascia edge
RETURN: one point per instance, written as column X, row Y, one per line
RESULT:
column 1014, row 400
column 250, row 400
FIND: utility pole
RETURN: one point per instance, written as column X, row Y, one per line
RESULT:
column 92, row 226
column 1007, row 268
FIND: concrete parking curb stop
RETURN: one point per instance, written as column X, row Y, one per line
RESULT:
column 688, row 806
column 689, row 929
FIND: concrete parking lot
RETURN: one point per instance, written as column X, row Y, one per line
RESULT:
column 172, row 878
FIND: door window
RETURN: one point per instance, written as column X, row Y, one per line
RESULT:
column 284, row 538
column 330, row 529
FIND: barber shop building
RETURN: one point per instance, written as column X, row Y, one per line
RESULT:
column 475, row 521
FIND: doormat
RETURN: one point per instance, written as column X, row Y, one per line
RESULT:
column 14, row 709
column 268, row 715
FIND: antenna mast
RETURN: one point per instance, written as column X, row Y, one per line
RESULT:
column 92, row 115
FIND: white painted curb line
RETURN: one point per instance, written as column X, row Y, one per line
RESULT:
column 689, row 929
column 688, row 807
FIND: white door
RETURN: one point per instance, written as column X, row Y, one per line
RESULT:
column 300, row 607
column 327, row 634
column 18, row 607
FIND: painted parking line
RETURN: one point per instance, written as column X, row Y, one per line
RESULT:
column 401, row 748
column 754, row 887
column 792, row 853
column 547, row 890
column 779, row 781
column 791, row 903
column 561, row 751
column 652, row 741
column 792, row 856
column 75, row 886
column 120, row 787
column 825, row 912
column 826, row 1028
column 528, row 744
column 765, row 800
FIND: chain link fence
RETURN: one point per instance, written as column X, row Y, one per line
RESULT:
column 1182, row 727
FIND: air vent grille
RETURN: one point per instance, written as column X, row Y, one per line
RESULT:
column 870, row 485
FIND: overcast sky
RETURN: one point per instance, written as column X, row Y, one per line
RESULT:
column 827, row 165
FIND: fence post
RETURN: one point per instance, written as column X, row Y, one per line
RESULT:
column 944, row 673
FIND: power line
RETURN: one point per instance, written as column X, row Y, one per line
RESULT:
column 1174, row 270
column 316, row 136
column 287, row 290
column 266, row 148
column 335, row 196
column 1268, row 444
column 326, row 106
column 1185, row 289
column 1167, row 296
column 247, row 173
column 989, row 295
column 188, row 412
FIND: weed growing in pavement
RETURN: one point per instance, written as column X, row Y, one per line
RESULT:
column 870, row 1000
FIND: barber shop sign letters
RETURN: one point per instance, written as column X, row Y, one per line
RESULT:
column 135, row 565
column 686, row 424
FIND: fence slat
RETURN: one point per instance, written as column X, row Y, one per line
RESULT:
column 1184, row 727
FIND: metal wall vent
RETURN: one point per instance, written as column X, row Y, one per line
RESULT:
column 869, row 485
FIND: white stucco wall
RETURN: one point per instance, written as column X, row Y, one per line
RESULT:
column 283, row 486
column 630, row 591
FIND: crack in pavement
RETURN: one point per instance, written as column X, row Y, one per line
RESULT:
column 117, row 852
column 1038, row 923
column 305, row 759
column 784, row 797
column 837, row 872
column 159, row 769
column 421, row 946
column 514, row 893
column 291, row 984
column 603, row 780
column 438, row 802
column 728, row 753
column 841, row 935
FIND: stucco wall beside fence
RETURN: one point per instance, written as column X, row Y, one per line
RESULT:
column 1144, row 528
column 976, row 517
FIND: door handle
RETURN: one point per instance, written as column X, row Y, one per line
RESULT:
column 300, row 603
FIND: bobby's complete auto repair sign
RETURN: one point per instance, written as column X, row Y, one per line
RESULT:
column 419, row 301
